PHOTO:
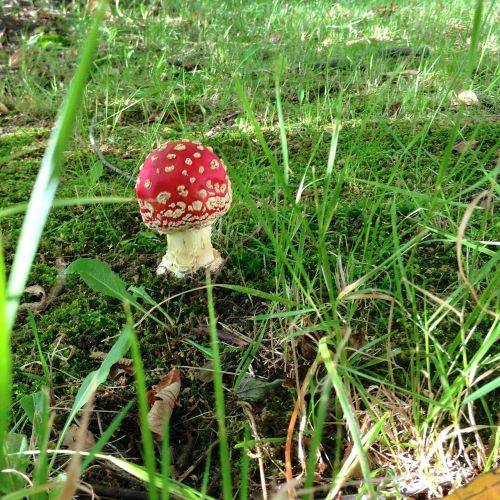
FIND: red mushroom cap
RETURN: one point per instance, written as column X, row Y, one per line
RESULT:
column 182, row 185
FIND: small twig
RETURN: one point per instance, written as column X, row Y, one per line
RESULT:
column 197, row 462
column 98, row 152
column 54, row 292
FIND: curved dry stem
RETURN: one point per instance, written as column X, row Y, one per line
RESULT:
column 460, row 236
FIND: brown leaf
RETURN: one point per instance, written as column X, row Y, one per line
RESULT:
column 37, row 291
column 394, row 76
column 14, row 59
column 71, row 437
column 384, row 11
column 223, row 335
column 46, row 15
column 224, row 122
column 462, row 146
column 3, row 108
column 394, row 108
column 162, row 399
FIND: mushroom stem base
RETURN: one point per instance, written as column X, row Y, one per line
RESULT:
column 189, row 251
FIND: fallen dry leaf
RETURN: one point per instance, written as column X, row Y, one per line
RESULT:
column 71, row 437
column 329, row 129
column 46, row 15
column 384, row 11
column 162, row 399
column 483, row 487
column 462, row 146
column 14, row 59
column 394, row 108
column 3, row 108
column 36, row 291
column 224, row 122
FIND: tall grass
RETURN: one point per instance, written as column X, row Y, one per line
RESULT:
column 37, row 211
column 225, row 459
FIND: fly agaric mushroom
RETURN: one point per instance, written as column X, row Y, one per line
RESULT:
column 182, row 188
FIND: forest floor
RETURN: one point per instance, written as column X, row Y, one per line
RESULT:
column 345, row 226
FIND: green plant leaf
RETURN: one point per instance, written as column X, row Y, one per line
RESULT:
column 254, row 389
column 482, row 391
column 31, row 404
column 16, row 444
column 99, row 276
column 97, row 377
column 204, row 350
column 47, row 40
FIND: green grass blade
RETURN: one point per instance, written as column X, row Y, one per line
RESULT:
column 321, row 415
column 332, row 154
column 178, row 489
column 43, row 361
column 482, row 391
column 41, row 428
column 245, row 465
column 147, row 438
column 227, row 488
column 206, row 473
column 106, row 435
column 474, row 39
column 97, row 377
column 40, row 489
column 281, row 121
column 5, row 374
column 255, row 124
column 20, row 208
column 165, row 461
column 348, row 413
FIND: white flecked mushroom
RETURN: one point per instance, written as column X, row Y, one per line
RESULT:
column 182, row 188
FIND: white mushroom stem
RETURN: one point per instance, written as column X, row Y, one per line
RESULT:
column 188, row 251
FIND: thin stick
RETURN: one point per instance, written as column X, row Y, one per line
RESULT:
column 98, row 152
